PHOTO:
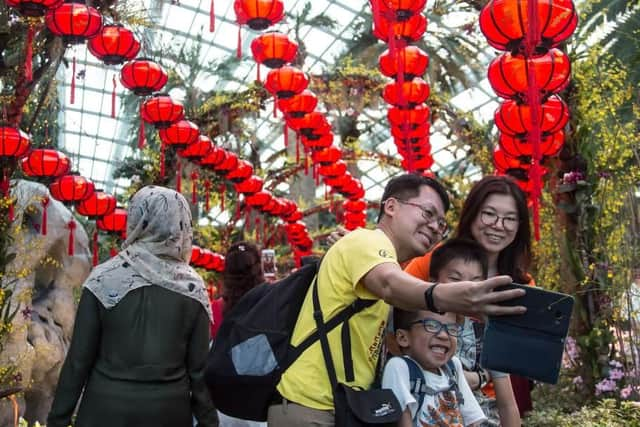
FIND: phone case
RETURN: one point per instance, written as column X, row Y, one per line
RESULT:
column 530, row 344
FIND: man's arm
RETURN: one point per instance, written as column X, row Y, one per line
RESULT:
column 399, row 289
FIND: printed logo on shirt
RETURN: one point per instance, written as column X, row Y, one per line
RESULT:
column 384, row 254
column 374, row 348
column 446, row 413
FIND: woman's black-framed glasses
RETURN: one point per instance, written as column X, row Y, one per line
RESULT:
column 509, row 222
column 433, row 326
column 431, row 216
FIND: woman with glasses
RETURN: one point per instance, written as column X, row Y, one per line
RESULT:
column 495, row 215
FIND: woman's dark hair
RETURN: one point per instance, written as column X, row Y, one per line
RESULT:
column 457, row 249
column 242, row 272
column 513, row 260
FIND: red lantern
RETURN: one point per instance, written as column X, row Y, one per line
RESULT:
column 274, row 207
column 258, row 14
column 402, row 9
column 295, row 216
column 228, row 164
column 70, row 189
column 114, row 45
column 298, row 105
column 216, row 156
column 115, row 222
column 327, row 155
column 286, row 81
column 354, row 205
column 250, row 185
column 314, row 123
column 515, row 119
column 411, row 60
column 414, row 117
column 354, row 190
column 197, row 149
column 406, row 95
column 196, row 254
column 74, row 21
column 34, row 8
column 161, row 111
column 180, row 134
column 550, row 145
column 97, row 205
column 410, row 132
column 336, row 169
column 14, row 143
column 407, row 31
column 242, row 171
column 508, row 74
column 505, row 22
column 421, row 164
column 273, row 49
column 143, row 76
column 44, row 163
column 317, row 142
column 504, row 162
column 258, row 199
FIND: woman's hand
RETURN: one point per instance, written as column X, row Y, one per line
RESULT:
column 336, row 235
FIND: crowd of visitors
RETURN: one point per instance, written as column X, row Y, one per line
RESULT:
column 145, row 324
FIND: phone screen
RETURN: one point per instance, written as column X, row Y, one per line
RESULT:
column 269, row 269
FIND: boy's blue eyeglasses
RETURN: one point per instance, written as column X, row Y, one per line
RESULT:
column 434, row 327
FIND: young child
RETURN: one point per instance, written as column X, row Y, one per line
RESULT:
column 429, row 372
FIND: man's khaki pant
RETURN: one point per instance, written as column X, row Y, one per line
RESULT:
column 289, row 414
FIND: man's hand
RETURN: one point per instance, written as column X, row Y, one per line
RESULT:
column 477, row 299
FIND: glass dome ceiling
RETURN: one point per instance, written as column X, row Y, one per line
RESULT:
column 98, row 143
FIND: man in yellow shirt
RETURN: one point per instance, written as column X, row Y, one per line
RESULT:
column 365, row 264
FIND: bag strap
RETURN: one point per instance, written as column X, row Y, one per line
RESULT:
column 417, row 382
column 323, row 330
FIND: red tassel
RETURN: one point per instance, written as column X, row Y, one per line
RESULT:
column 222, row 191
column 247, row 218
column 141, row 136
column 306, row 164
column 265, row 232
column 194, row 187
column 275, row 103
column 239, row 47
column 162, row 159
column 113, row 97
column 326, row 194
column 43, row 227
column 236, row 216
column 113, row 252
column 73, row 81
column 316, row 173
column 286, row 135
column 297, row 148
column 72, row 227
column 179, row 177
column 28, row 55
column 207, row 195
column 212, row 18
column 257, row 228
column 95, row 248
column 258, row 72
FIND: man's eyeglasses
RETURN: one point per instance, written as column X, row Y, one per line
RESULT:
column 430, row 215
column 433, row 326
column 509, row 223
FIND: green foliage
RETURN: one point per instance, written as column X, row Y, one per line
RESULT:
column 606, row 412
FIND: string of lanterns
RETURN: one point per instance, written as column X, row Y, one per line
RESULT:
column 399, row 23
column 528, row 76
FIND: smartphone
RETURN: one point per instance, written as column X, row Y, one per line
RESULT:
column 269, row 269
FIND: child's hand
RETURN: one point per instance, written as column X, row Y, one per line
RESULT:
column 336, row 235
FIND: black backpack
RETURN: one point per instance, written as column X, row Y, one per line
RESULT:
column 252, row 348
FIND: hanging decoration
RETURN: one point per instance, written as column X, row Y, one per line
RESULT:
column 75, row 22
column 257, row 14
column 273, row 49
column 143, row 76
column 94, row 207
column 14, row 144
column 115, row 224
column 528, row 75
column 71, row 190
column 45, row 165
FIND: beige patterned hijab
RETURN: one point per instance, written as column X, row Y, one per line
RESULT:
column 157, row 251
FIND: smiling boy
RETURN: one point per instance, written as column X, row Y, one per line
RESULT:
column 428, row 342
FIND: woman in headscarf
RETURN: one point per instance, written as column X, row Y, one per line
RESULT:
column 141, row 332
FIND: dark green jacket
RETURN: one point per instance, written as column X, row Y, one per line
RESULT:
column 140, row 363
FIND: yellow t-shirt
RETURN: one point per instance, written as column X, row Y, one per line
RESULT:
column 306, row 381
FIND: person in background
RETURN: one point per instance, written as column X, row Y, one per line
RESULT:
column 242, row 272
column 428, row 341
column 366, row 264
column 495, row 215
column 141, row 331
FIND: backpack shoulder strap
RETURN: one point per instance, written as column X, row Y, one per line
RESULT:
column 452, row 373
column 416, row 382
